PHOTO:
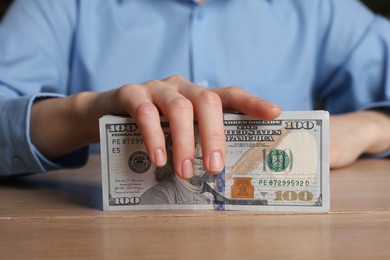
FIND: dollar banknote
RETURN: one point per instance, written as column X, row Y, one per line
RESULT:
column 280, row 165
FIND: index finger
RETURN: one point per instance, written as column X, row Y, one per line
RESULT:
column 237, row 99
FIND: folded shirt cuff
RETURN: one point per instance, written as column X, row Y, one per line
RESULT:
column 17, row 154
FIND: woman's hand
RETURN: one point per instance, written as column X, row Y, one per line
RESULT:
column 59, row 126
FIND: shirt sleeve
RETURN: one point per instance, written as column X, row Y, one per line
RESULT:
column 354, row 56
column 354, row 60
column 35, row 49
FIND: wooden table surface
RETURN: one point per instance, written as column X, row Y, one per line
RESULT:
column 58, row 215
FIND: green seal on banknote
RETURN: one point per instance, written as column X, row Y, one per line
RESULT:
column 278, row 160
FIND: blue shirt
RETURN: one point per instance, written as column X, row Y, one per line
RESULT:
column 293, row 52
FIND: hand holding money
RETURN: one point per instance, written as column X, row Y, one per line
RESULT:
column 74, row 119
column 278, row 165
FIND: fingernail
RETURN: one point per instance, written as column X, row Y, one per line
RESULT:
column 159, row 158
column 216, row 164
column 187, row 169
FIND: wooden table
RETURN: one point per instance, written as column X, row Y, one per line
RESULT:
column 59, row 215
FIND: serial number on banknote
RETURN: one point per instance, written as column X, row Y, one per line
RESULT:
column 292, row 183
column 121, row 141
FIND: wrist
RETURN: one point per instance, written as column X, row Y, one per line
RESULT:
column 59, row 126
column 377, row 128
column 84, row 116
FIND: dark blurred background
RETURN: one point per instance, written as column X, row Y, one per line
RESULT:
column 3, row 6
column 378, row 6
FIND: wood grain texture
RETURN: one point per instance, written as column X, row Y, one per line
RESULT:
column 58, row 215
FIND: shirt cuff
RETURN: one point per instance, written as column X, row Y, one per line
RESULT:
column 382, row 106
column 17, row 154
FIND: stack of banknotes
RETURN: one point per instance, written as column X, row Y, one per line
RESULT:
column 280, row 165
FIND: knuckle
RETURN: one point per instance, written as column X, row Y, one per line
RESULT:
column 145, row 110
column 153, row 83
column 177, row 77
column 129, row 86
column 234, row 90
column 126, row 89
column 210, row 98
column 122, row 94
column 181, row 103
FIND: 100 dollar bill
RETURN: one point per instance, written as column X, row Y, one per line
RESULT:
column 277, row 165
